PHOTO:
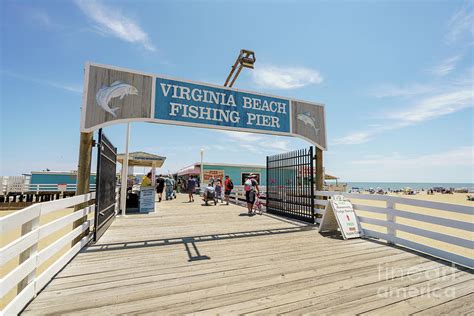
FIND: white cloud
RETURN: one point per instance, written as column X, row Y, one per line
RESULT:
column 463, row 156
column 41, row 17
column 388, row 90
column 256, row 143
column 453, row 96
column 354, row 138
column 460, row 24
column 427, row 108
column 445, row 67
column 275, row 77
column 109, row 20
column 59, row 85
column 452, row 165
column 436, row 106
column 71, row 88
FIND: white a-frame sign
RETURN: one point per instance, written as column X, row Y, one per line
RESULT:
column 339, row 213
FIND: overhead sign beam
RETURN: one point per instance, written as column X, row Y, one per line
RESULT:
column 115, row 95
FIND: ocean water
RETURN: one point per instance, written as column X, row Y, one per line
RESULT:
column 401, row 185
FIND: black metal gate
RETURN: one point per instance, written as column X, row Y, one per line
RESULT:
column 105, row 185
column 290, row 184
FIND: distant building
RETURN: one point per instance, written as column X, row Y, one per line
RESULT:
column 56, row 177
column 238, row 173
column 49, row 180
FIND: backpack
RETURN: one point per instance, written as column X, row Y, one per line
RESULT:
column 248, row 185
column 231, row 184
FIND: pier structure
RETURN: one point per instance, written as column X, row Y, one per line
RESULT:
column 191, row 258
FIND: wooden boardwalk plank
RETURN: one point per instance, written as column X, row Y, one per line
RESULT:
column 462, row 305
column 188, row 258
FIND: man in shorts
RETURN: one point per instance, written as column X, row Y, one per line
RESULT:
column 228, row 186
column 160, row 186
column 191, row 187
column 251, row 191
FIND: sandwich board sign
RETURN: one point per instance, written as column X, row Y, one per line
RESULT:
column 339, row 213
column 147, row 199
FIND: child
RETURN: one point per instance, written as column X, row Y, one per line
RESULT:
column 218, row 188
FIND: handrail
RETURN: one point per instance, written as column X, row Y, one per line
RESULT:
column 392, row 223
column 26, row 272
column 394, row 226
column 40, row 187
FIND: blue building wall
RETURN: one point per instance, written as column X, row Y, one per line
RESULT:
column 235, row 172
column 56, row 178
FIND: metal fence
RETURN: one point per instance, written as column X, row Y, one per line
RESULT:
column 290, row 184
column 106, row 197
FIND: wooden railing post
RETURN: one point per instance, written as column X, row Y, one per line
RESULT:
column 83, row 176
column 391, row 232
column 319, row 180
column 28, row 253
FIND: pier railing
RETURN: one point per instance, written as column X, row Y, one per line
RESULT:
column 26, row 265
column 238, row 194
column 40, row 187
column 438, row 229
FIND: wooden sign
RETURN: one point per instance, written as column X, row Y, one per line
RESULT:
column 216, row 174
column 116, row 95
column 339, row 214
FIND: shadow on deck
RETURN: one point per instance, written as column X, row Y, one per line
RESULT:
column 186, row 258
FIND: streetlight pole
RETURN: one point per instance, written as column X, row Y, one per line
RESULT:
column 202, row 168
column 123, row 191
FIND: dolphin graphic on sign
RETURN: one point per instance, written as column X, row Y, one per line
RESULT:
column 118, row 89
column 307, row 119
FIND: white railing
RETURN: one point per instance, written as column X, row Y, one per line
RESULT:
column 24, row 276
column 397, row 214
column 28, row 187
column 237, row 195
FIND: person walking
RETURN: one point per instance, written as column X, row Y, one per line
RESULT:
column 251, row 190
column 191, row 187
column 219, row 192
column 179, row 186
column 160, row 186
column 228, row 186
column 175, row 188
column 169, row 188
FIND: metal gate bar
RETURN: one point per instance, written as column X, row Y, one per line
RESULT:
column 105, row 185
column 290, row 184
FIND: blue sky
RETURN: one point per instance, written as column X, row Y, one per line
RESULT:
column 396, row 78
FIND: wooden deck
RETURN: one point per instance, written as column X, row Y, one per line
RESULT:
column 188, row 258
